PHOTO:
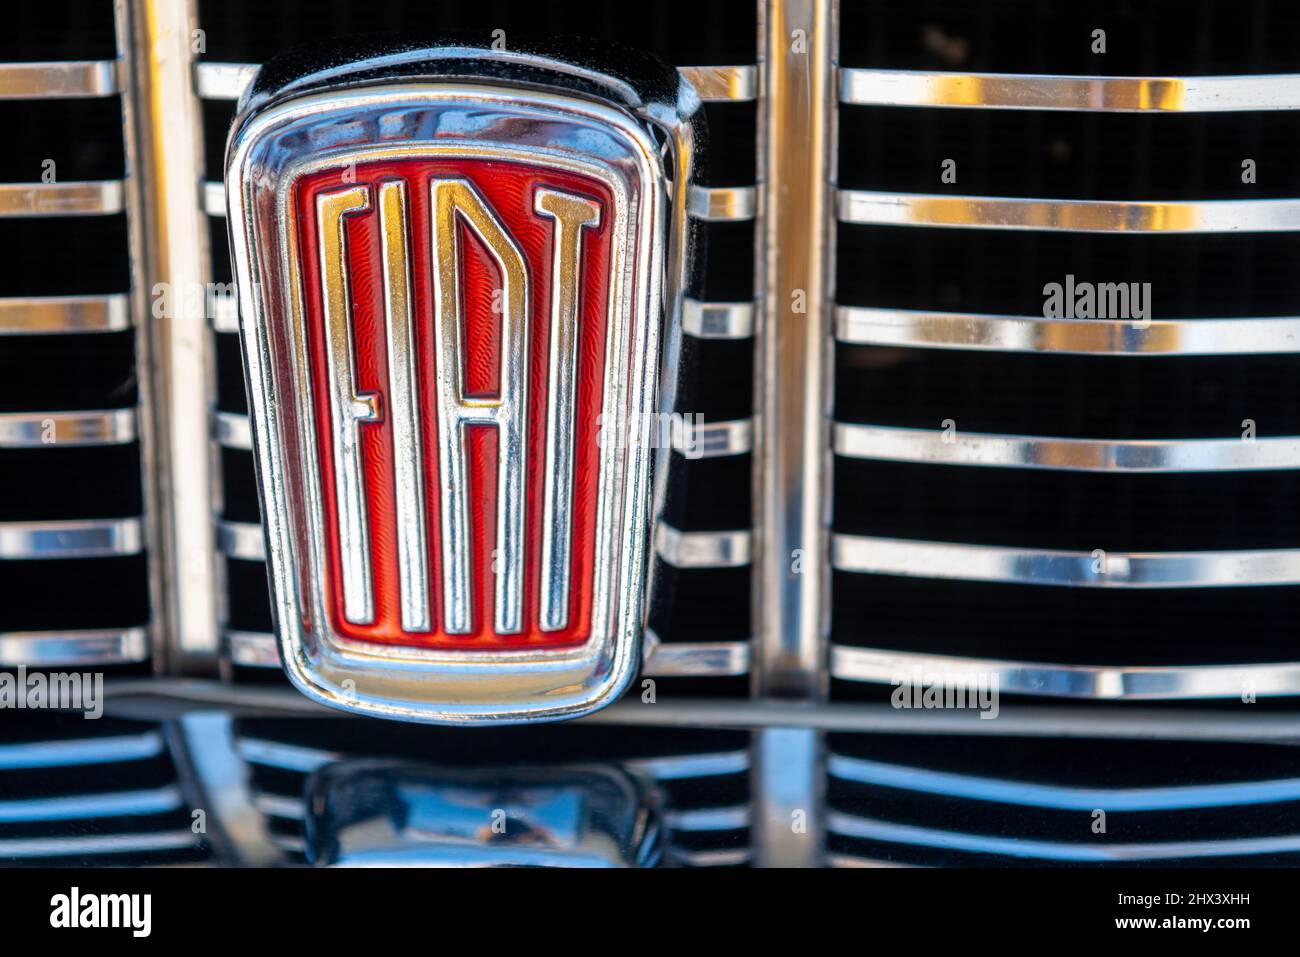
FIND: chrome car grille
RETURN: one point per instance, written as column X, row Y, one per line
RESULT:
column 910, row 470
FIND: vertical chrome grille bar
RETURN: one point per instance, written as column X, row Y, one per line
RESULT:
column 796, row 133
column 169, row 131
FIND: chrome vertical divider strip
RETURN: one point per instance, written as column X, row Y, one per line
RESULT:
column 796, row 129
column 138, row 306
column 170, row 135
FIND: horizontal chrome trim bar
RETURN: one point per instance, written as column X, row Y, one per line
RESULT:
column 714, row 659
column 252, row 649
column 1056, row 797
column 225, row 312
column 89, row 538
column 80, row 806
column 243, row 540
column 711, row 659
column 98, row 844
column 935, row 447
column 94, row 198
column 227, row 81
column 40, row 649
column 723, row 84
column 1069, row 215
column 703, row 549
column 722, row 204
column 870, row 829
column 865, row 325
column 54, row 315
column 213, row 199
column 717, row 320
column 1094, row 94
column 232, row 430
column 1042, row 566
column 80, row 751
column 722, row 857
column 714, row 439
column 277, row 805
column 68, row 78
column 51, row 430
column 709, row 819
column 286, row 757
column 1095, row 682
column 677, row 767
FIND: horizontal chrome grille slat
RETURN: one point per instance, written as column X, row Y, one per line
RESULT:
column 47, row 649
column 715, row 659
column 242, row 540
column 44, row 430
column 98, row 844
column 91, row 538
column 213, row 199
column 678, row 767
column 726, row 857
column 225, row 312
column 709, row 819
column 703, row 549
column 55, row 315
column 1099, row 94
column 867, row 207
column 227, row 81
column 876, row 830
column 1099, row 682
column 69, row 78
column 1033, row 794
column 868, row 325
column 81, row 751
column 232, row 430
column 936, row 447
column 96, row 198
column 81, row 806
column 714, row 439
column 717, row 320
column 1040, row 566
column 722, row 204
column 286, row 757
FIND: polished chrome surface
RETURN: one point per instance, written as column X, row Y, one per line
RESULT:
column 232, row 430
column 457, row 201
column 1101, row 682
column 788, row 797
column 792, row 460
column 722, row 204
column 713, row 659
column 81, row 806
column 863, row 325
column 516, row 685
column 242, row 540
column 1092, row 94
column 26, row 430
column 1057, row 797
column 718, row 320
column 572, row 214
column 713, row 439
column 53, row 315
column 872, row 829
column 252, row 649
column 703, row 549
column 168, row 129
column 227, row 81
column 1042, row 566
column 1069, row 215
column 71, row 648
column 76, row 752
column 935, row 447
column 62, row 199
column 67, row 78
column 385, row 814
column 85, row 538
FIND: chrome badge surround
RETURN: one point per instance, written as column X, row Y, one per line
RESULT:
column 466, row 103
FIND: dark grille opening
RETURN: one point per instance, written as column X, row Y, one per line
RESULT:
column 715, row 378
column 1149, row 38
column 58, row 30
column 963, row 801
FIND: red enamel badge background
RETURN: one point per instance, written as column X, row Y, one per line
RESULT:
column 508, row 188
